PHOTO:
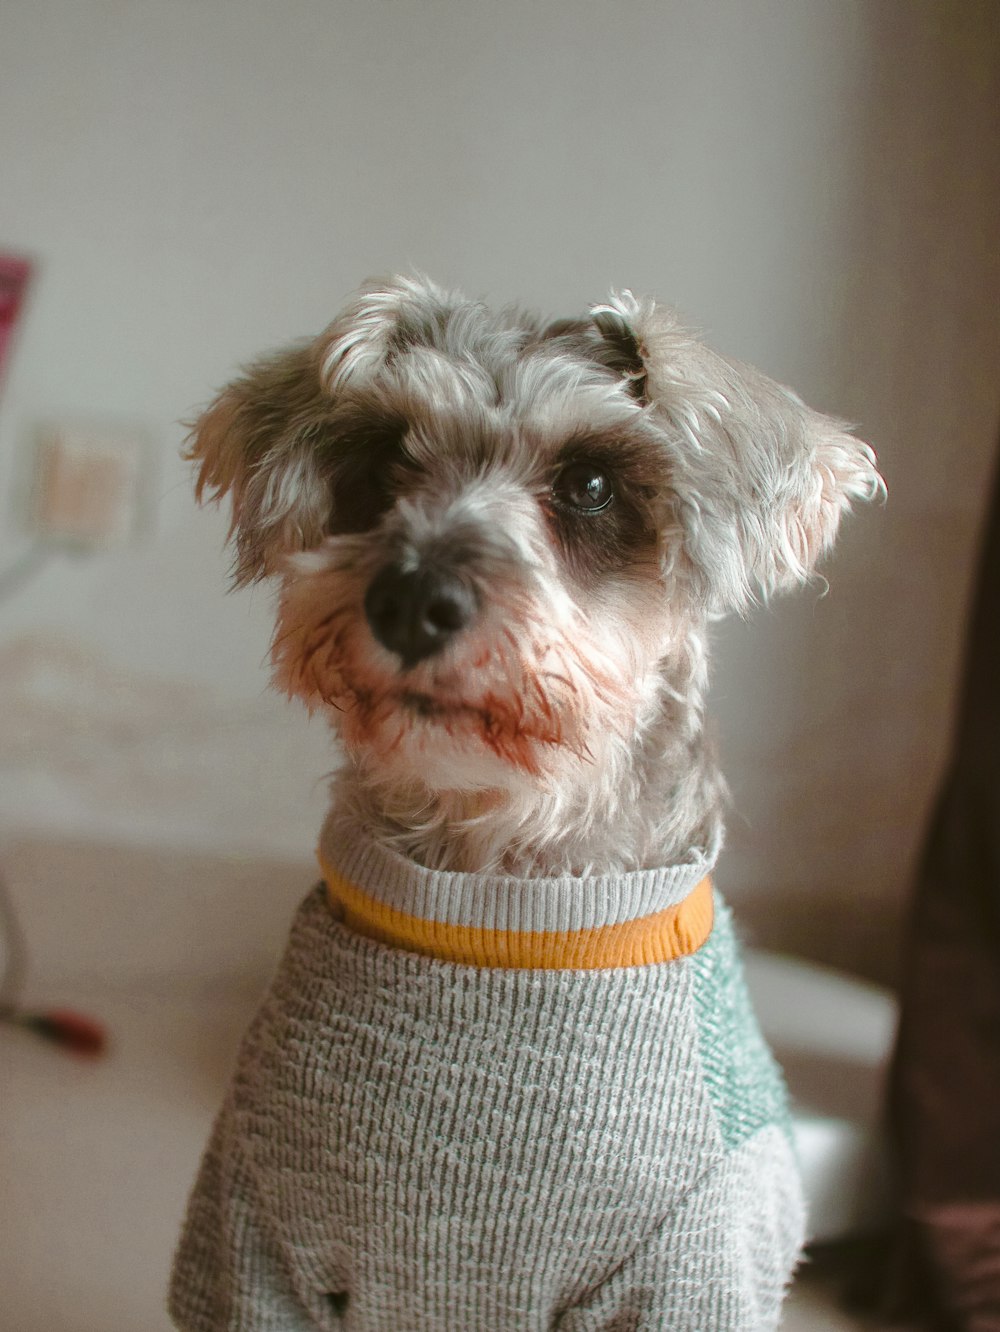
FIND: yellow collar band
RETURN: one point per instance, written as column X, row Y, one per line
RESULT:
column 675, row 931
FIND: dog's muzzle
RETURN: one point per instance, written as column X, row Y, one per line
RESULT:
column 417, row 612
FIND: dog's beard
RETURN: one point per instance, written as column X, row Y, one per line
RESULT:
column 521, row 696
column 527, row 741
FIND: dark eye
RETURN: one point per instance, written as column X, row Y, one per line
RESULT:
column 364, row 456
column 583, row 486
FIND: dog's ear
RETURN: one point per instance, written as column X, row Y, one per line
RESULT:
column 272, row 439
column 260, row 442
column 759, row 480
column 384, row 318
column 607, row 338
column 623, row 350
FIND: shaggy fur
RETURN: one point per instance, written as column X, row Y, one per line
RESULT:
column 590, row 492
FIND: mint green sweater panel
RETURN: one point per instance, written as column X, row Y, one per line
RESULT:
column 742, row 1079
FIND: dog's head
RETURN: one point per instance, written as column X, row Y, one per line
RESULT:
column 499, row 540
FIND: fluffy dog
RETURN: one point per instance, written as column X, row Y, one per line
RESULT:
column 507, row 1076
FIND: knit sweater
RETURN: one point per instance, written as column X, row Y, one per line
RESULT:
column 473, row 1103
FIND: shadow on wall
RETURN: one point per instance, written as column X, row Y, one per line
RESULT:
column 849, row 785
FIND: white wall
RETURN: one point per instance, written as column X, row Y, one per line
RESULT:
column 814, row 184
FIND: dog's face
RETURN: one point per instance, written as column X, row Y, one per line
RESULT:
column 498, row 541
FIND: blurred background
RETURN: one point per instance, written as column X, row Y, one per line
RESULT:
column 814, row 184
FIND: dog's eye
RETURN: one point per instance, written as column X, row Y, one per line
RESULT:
column 583, row 486
column 365, row 457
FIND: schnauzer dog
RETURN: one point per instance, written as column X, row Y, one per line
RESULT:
column 507, row 1076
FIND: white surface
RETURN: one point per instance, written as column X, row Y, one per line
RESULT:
column 96, row 1159
column 833, row 1036
column 170, row 950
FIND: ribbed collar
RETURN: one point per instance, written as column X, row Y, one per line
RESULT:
column 498, row 920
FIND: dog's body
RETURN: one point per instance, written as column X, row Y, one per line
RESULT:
column 507, row 1076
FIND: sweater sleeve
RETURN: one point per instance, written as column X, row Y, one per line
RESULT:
column 229, row 1273
column 722, row 1259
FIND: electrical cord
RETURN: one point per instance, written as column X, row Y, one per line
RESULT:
column 63, row 1026
column 15, row 954
column 23, row 571
column 66, row 1027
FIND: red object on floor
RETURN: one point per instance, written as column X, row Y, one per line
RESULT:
column 73, row 1031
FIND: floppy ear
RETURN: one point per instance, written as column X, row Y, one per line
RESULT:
column 271, row 439
column 760, row 480
column 259, row 443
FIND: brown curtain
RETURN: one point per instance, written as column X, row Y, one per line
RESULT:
column 945, row 1090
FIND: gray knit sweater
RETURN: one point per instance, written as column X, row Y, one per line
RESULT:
column 416, row 1143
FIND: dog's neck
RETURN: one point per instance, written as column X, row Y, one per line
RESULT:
column 664, row 796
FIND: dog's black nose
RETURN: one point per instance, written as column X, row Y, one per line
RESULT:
column 416, row 613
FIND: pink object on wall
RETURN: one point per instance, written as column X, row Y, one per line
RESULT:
column 15, row 276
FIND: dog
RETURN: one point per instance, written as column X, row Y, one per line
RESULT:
column 507, row 1076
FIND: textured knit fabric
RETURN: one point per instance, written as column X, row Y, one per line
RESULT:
column 496, row 920
column 411, row 1143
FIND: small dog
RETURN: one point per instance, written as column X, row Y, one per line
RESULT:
column 507, row 1076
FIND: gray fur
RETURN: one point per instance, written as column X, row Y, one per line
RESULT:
column 564, row 731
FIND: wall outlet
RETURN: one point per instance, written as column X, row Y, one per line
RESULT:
column 89, row 486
